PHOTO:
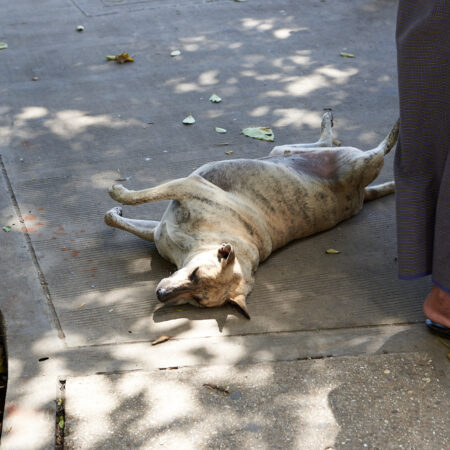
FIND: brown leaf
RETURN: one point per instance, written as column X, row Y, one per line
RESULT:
column 215, row 387
column 161, row 339
column 122, row 58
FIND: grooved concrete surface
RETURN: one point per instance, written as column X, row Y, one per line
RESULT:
column 78, row 297
column 85, row 123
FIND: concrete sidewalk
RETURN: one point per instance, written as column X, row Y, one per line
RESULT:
column 336, row 354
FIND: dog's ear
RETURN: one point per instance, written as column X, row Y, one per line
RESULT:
column 239, row 301
column 225, row 254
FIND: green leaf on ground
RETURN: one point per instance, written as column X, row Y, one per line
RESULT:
column 7, row 228
column 175, row 53
column 61, row 422
column 215, row 98
column 346, row 55
column 220, row 130
column 189, row 120
column 3, row 45
column 264, row 133
column 332, row 251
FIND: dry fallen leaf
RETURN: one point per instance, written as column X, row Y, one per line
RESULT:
column 332, row 251
column 228, row 152
column 122, row 58
column 161, row 339
column 215, row 387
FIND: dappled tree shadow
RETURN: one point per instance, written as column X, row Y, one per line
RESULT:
column 89, row 123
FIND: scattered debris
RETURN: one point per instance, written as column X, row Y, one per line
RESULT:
column 161, row 339
column 43, row 359
column 3, row 45
column 346, row 55
column 6, row 228
column 220, row 130
column 215, row 98
column 80, row 28
column 332, row 251
column 82, row 306
column 120, row 59
column 175, row 53
column 189, row 120
column 215, row 387
column 337, row 142
column 263, row 133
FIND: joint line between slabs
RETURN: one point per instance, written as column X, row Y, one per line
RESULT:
column 37, row 266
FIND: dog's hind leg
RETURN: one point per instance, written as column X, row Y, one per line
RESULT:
column 145, row 229
column 380, row 190
column 179, row 189
column 325, row 140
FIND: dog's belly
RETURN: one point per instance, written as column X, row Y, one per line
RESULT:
column 292, row 202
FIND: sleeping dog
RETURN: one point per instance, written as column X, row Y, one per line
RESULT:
column 228, row 216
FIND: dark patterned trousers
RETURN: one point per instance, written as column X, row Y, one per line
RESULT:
column 422, row 162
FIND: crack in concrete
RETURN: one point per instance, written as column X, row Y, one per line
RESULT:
column 37, row 266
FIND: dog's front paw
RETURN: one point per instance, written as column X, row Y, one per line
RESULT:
column 117, row 192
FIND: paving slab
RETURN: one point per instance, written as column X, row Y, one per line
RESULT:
column 387, row 401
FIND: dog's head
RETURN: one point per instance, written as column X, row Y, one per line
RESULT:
column 209, row 279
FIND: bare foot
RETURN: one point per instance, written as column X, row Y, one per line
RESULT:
column 437, row 306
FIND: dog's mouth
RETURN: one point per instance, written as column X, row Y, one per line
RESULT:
column 176, row 296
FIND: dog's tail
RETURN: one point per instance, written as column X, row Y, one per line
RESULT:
column 374, row 159
column 389, row 141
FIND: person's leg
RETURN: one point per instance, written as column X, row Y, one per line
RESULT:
column 421, row 161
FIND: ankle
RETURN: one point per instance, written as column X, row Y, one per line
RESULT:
column 437, row 306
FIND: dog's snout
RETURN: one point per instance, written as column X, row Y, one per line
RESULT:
column 160, row 294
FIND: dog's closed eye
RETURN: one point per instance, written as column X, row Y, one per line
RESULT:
column 193, row 276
